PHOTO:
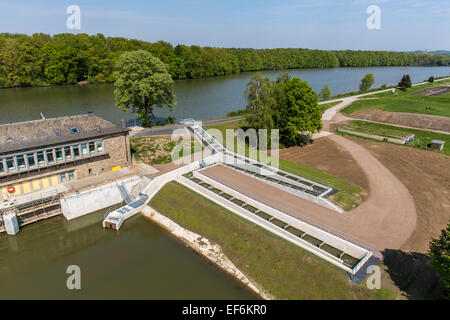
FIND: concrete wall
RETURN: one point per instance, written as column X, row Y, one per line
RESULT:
column 76, row 205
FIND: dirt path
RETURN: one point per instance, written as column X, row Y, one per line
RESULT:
column 380, row 223
column 385, row 220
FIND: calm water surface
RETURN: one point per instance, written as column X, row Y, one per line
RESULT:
column 200, row 99
column 141, row 261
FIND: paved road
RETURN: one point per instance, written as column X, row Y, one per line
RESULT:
column 167, row 130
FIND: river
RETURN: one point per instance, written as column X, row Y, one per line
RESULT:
column 141, row 261
column 201, row 99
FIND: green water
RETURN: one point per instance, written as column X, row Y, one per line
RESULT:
column 141, row 261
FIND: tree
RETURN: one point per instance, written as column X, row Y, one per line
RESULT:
column 325, row 93
column 142, row 82
column 405, row 82
column 296, row 110
column 260, row 102
column 366, row 82
column 440, row 256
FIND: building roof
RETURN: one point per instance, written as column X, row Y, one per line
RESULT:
column 45, row 132
column 438, row 141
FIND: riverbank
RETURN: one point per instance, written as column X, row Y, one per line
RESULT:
column 281, row 268
column 211, row 251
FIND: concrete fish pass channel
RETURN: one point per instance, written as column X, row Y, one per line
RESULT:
column 335, row 250
column 341, row 253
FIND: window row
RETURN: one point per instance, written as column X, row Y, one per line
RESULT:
column 49, row 156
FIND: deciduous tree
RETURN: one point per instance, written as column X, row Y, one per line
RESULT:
column 440, row 254
column 143, row 82
column 325, row 93
column 366, row 82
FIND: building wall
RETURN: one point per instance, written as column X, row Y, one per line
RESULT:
column 119, row 155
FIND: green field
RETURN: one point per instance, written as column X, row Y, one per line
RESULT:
column 348, row 197
column 422, row 141
column 281, row 268
column 406, row 102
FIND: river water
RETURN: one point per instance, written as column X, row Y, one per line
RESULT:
column 140, row 261
column 201, row 99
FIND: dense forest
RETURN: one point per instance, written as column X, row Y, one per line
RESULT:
column 42, row 59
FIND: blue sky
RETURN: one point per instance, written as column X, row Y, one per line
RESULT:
column 320, row 24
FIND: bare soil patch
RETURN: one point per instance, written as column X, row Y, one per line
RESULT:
column 427, row 177
column 405, row 119
column 435, row 91
column 327, row 156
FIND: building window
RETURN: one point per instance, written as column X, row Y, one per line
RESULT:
column 99, row 146
column 10, row 164
column 67, row 153
column 62, row 177
column 50, row 157
column 76, row 150
column 59, row 155
column 91, row 147
column 30, row 158
column 21, row 161
column 89, row 171
column 1, row 165
column 84, row 149
column 71, row 175
column 40, row 157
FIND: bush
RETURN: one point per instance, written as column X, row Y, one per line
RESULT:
column 236, row 113
column 431, row 79
column 170, row 120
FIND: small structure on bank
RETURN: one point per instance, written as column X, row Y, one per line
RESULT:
column 437, row 144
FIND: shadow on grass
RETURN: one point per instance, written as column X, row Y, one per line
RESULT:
column 412, row 273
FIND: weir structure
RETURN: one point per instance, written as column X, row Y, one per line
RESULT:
column 330, row 247
column 20, row 211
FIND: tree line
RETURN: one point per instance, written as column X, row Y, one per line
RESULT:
column 42, row 59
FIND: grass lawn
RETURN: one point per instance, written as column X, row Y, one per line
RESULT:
column 349, row 195
column 326, row 106
column 283, row 269
column 406, row 102
column 423, row 137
